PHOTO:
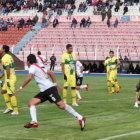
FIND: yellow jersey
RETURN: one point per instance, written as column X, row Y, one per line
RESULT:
column 113, row 62
column 69, row 63
column 7, row 60
column 107, row 65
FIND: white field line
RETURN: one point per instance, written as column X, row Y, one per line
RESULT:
column 122, row 135
column 22, row 138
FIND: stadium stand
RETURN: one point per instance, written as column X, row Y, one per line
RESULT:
column 97, row 39
column 91, row 43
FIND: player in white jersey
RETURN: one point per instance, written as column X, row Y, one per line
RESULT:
column 48, row 91
column 79, row 79
column 41, row 60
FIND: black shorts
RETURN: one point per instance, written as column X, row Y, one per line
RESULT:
column 79, row 81
column 50, row 94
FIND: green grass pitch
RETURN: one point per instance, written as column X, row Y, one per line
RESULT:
column 107, row 115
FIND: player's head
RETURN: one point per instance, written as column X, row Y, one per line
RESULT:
column 107, row 58
column 39, row 52
column 4, row 49
column 111, row 53
column 31, row 59
column 69, row 48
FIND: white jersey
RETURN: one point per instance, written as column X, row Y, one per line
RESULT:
column 41, row 61
column 78, row 68
column 41, row 78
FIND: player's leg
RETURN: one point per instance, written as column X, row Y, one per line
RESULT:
column 32, row 105
column 136, row 100
column 78, row 93
column 83, row 86
column 72, row 83
column 11, row 91
column 108, row 84
column 66, row 84
column 65, row 94
column 7, row 101
column 69, row 109
column 78, row 84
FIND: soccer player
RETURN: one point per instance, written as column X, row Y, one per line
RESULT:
column 68, row 69
column 137, row 98
column 41, row 60
column 114, row 63
column 107, row 65
column 8, row 88
column 48, row 91
column 79, row 79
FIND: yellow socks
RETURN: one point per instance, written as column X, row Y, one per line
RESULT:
column 14, row 104
column 113, row 88
column 64, row 95
column 116, row 84
column 7, row 100
column 73, row 92
column 108, row 86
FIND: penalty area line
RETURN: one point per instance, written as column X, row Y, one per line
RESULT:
column 122, row 135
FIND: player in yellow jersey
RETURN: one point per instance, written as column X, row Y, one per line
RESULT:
column 114, row 63
column 10, row 80
column 68, row 69
column 107, row 65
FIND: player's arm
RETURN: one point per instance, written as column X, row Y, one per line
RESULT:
column 8, row 75
column 51, row 74
column 137, row 95
column 118, row 62
column 27, row 80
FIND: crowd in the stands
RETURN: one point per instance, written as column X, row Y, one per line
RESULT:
column 21, row 23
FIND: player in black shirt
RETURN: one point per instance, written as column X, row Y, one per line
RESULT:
column 137, row 98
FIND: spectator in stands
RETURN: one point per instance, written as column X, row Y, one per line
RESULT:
column 125, row 58
column 116, row 23
column 29, row 22
column 109, row 13
column 12, row 22
column 136, row 1
column 137, row 69
column 53, row 60
column 74, row 23
column 1, row 7
column 45, row 22
column 25, row 8
column 1, row 21
column 131, row 68
column 121, row 59
column 40, row 7
column 35, row 20
column 117, row 6
column 94, row 11
column 93, row 67
column 88, row 22
column 55, row 22
column 125, row 10
column 21, row 23
column 108, row 23
column 111, row 4
column 7, row 22
column 86, row 66
column 80, row 7
column 101, row 67
column 83, row 22
column 103, row 13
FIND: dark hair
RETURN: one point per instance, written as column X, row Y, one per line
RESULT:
column 68, row 46
column 31, row 58
column 39, row 52
column 6, row 48
column 111, row 52
column 107, row 57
